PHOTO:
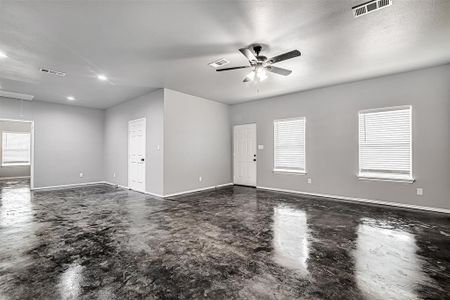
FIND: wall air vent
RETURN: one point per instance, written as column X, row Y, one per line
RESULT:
column 14, row 95
column 218, row 63
column 53, row 72
column 369, row 7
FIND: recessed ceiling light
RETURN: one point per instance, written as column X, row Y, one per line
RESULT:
column 3, row 55
column 70, row 98
column 102, row 77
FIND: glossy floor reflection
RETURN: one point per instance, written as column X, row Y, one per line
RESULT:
column 100, row 242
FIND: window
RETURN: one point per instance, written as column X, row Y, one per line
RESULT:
column 289, row 145
column 16, row 148
column 385, row 144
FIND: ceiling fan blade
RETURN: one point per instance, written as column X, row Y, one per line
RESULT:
column 249, row 54
column 284, row 56
column 280, row 71
column 232, row 68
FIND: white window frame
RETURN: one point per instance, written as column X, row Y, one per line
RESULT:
column 288, row 171
column 406, row 179
column 11, row 164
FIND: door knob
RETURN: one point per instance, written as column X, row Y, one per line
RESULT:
column 142, row 159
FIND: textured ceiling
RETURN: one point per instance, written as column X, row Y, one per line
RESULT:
column 142, row 45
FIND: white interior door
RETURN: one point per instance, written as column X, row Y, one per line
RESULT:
column 244, row 154
column 136, row 154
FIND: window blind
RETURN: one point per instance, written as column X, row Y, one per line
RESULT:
column 16, row 148
column 289, row 145
column 385, row 143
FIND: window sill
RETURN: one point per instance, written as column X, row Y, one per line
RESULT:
column 288, row 172
column 15, row 164
column 373, row 178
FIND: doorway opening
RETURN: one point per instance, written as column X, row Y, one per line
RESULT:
column 17, row 150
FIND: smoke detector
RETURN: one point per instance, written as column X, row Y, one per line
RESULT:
column 53, row 72
column 218, row 63
column 371, row 6
column 14, row 95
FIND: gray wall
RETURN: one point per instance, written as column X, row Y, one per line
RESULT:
column 13, row 171
column 68, row 140
column 197, row 142
column 150, row 106
column 332, row 136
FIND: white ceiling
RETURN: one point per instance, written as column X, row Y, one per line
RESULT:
column 142, row 45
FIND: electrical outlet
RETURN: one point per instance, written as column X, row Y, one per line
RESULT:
column 114, row 174
column 200, row 179
column 81, row 175
column 309, row 180
column 419, row 191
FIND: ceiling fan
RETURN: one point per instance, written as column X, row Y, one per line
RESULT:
column 260, row 63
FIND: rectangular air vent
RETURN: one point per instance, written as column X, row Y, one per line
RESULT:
column 14, row 95
column 53, row 72
column 218, row 63
column 383, row 3
column 369, row 7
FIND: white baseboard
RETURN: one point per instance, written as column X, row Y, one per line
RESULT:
column 115, row 184
column 64, row 186
column 328, row 196
column 15, row 177
column 127, row 188
column 174, row 194
column 198, row 190
column 351, row 199
column 154, row 194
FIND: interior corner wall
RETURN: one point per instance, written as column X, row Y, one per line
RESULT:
column 68, row 140
column 151, row 107
column 332, row 136
column 197, row 143
column 13, row 171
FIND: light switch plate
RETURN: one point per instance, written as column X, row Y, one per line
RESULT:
column 309, row 180
column 260, row 147
column 419, row 191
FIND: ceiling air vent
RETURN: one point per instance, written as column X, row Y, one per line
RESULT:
column 14, row 95
column 53, row 72
column 360, row 11
column 383, row 3
column 219, row 63
column 369, row 7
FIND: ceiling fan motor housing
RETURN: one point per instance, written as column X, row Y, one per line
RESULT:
column 261, row 58
column 257, row 49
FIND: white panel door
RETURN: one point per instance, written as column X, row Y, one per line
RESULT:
column 244, row 154
column 136, row 154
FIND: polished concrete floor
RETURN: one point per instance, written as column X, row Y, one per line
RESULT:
column 102, row 242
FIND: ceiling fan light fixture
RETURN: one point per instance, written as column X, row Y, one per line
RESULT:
column 251, row 76
column 261, row 74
